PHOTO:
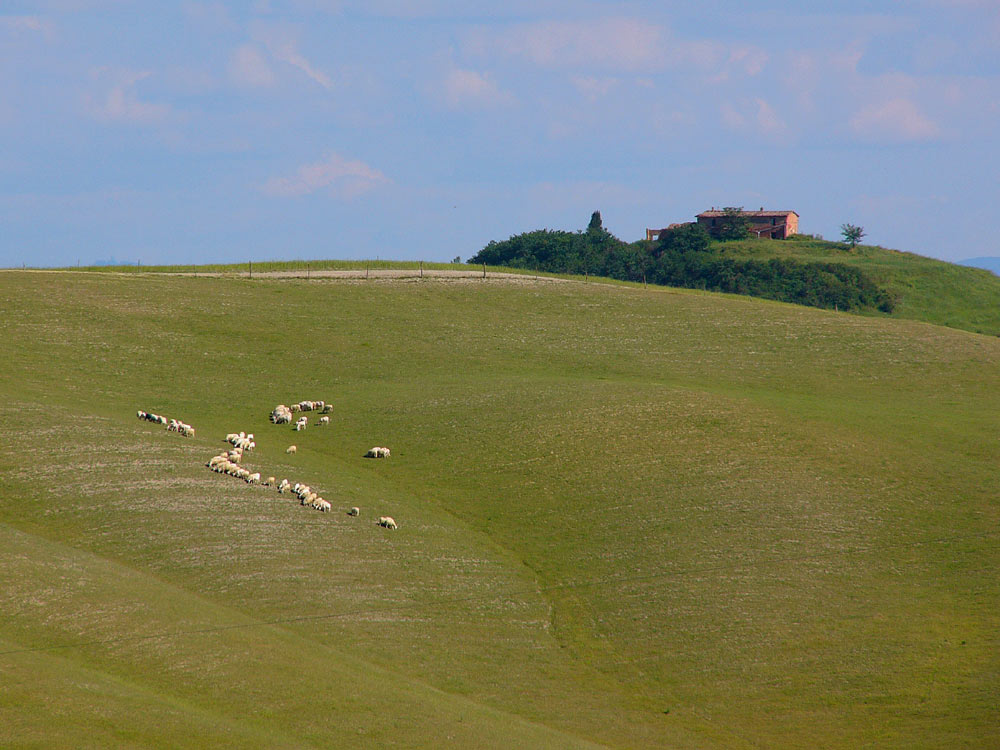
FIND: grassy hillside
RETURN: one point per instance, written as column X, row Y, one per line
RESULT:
column 628, row 518
column 925, row 288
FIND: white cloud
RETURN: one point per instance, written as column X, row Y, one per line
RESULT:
column 755, row 115
column 120, row 103
column 283, row 47
column 209, row 15
column 768, row 121
column 895, row 120
column 343, row 178
column 615, row 42
column 469, row 87
column 247, row 67
column 32, row 24
column 751, row 59
column 594, row 88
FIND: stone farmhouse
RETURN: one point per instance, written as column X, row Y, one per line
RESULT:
column 776, row 225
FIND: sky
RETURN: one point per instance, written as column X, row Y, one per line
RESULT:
column 224, row 132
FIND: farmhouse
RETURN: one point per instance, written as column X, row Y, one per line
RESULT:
column 777, row 225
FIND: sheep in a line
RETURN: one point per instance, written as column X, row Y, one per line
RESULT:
column 241, row 440
column 321, row 505
column 268, row 482
column 254, row 478
column 176, row 425
column 283, row 486
column 387, row 522
column 377, row 452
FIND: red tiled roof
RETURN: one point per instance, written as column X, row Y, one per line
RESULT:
column 760, row 214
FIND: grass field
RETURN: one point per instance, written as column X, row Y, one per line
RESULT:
column 925, row 288
column 627, row 518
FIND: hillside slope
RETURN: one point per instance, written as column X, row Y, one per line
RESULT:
column 627, row 518
column 925, row 288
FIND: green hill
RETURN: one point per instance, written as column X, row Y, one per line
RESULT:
column 627, row 518
column 924, row 288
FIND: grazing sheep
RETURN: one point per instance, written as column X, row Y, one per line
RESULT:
column 387, row 522
column 324, row 420
column 291, row 449
column 327, row 408
column 268, row 482
column 377, row 452
column 354, row 511
column 254, row 478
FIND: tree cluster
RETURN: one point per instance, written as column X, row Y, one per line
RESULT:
column 687, row 256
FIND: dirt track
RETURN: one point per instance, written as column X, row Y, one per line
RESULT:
column 414, row 274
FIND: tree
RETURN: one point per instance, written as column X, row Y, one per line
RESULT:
column 852, row 234
column 686, row 238
column 733, row 225
column 595, row 224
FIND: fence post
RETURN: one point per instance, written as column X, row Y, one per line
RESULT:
column 644, row 281
column 421, row 269
column 250, row 262
column 484, row 270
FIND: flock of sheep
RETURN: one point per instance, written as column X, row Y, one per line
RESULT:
column 228, row 462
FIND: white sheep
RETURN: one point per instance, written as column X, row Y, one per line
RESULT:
column 355, row 511
column 324, row 420
column 377, row 452
column 387, row 522
column 254, row 478
column 291, row 449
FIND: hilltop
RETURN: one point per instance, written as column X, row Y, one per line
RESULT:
column 924, row 288
column 866, row 279
column 627, row 518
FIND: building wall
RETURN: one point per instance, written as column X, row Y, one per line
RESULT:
column 777, row 227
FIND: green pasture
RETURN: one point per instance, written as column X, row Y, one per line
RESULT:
column 925, row 288
column 628, row 518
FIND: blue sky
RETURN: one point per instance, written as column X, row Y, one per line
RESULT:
column 421, row 129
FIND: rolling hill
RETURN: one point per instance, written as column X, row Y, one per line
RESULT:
column 627, row 517
column 926, row 289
